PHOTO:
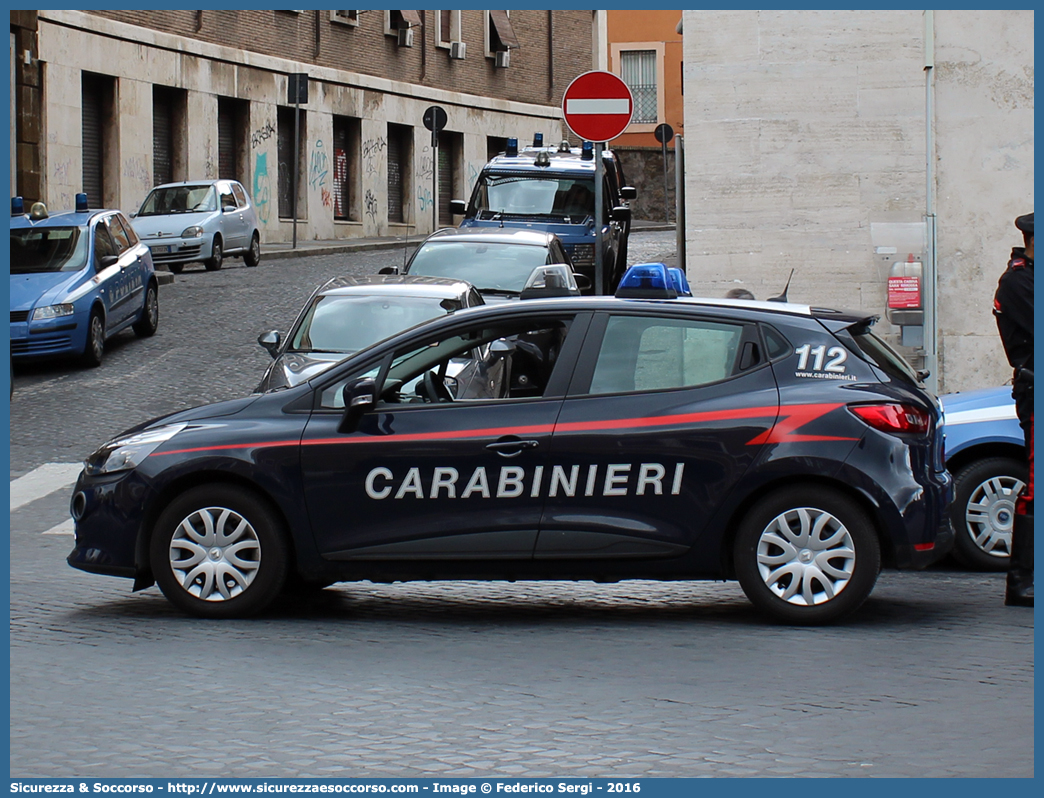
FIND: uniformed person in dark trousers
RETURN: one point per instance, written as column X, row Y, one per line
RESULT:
column 1013, row 307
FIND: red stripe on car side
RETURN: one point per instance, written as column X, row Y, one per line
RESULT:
column 792, row 417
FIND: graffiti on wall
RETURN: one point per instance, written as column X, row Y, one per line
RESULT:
column 135, row 169
column 208, row 166
column 318, row 167
column 473, row 175
column 262, row 188
column 371, row 206
column 61, row 171
column 372, row 154
column 263, row 133
column 424, row 199
column 426, row 168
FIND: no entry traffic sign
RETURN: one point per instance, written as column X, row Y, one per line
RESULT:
column 597, row 106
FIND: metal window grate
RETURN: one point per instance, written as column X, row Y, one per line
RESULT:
column 638, row 71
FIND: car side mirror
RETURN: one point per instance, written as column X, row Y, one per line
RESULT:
column 501, row 348
column 388, row 270
column 133, row 215
column 621, row 213
column 458, row 207
column 628, row 192
column 583, row 282
column 109, row 260
column 359, row 396
column 229, row 209
column 271, row 341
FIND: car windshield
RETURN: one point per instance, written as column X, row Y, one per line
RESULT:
column 48, row 249
column 179, row 199
column 535, row 196
column 489, row 267
column 346, row 324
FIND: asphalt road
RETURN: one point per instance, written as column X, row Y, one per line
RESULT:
column 932, row 677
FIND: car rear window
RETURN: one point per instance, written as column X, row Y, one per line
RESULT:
column 878, row 352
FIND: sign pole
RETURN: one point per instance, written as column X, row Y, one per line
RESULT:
column 297, row 160
column 434, row 180
column 599, row 286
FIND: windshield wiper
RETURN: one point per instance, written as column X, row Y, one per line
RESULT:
column 500, row 291
column 320, row 351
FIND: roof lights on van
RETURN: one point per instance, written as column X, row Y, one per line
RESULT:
column 538, row 139
column 38, row 211
column 587, row 151
column 542, row 158
column 81, row 203
column 563, row 146
column 17, row 206
column 680, row 282
column 511, row 150
column 647, row 281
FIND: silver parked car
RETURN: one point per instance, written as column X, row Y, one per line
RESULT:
column 199, row 221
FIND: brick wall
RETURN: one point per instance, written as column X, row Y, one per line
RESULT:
column 538, row 73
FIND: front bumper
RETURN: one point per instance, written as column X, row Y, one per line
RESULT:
column 65, row 335
column 179, row 250
column 107, row 512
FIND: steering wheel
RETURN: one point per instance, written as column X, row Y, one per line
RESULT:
column 435, row 389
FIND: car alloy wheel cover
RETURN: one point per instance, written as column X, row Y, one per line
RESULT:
column 806, row 556
column 215, row 554
column 97, row 337
column 990, row 514
column 152, row 307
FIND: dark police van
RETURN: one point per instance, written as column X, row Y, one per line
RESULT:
column 646, row 436
column 552, row 189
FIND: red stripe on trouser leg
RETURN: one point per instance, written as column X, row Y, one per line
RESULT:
column 1025, row 500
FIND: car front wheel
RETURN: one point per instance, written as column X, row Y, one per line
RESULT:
column 94, row 348
column 219, row 551
column 217, row 256
column 983, row 511
column 807, row 554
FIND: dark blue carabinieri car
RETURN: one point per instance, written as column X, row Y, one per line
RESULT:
column 646, row 436
column 77, row 279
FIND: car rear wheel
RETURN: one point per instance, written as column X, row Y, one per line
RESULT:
column 983, row 511
column 253, row 255
column 94, row 348
column 147, row 325
column 806, row 554
column 219, row 551
column 217, row 256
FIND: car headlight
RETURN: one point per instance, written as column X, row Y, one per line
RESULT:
column 192, row 232
column 123, row 454
column 52, row 312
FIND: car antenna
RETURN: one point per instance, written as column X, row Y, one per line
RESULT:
column 783, row 297
column 405, row 249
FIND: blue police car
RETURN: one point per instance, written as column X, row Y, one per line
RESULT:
column 643, row 436
column 986, row 454
column 77, row 279
column 552, row 189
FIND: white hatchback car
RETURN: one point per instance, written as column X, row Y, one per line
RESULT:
column 199, row 221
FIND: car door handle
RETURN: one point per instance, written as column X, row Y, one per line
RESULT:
column 511, row 448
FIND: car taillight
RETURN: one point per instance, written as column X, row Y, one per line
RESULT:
column 892, row 417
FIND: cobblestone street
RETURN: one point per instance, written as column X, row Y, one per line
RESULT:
column 932, row 677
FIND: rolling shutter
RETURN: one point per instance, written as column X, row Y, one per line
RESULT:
column 162, row 143
column 92, row 141
column 226, row 142
column 395, row 176
column 446, row 170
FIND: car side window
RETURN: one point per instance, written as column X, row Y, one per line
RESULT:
column 645, row 353
column 241, row 196
column 119, row 235
column 103, row 244
column 128, row 229
column 510, row 360
column 227, row 197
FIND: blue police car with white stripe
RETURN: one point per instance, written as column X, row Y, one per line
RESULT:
column 651, row 435
column 77, row 279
